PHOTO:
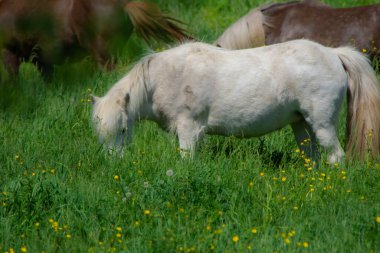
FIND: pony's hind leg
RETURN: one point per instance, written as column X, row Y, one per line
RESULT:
column 306, row 141
column 324, row 125
column 327, row 137
column 189, row 133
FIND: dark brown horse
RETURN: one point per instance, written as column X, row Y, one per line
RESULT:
column 49, row 31
column 309, row 19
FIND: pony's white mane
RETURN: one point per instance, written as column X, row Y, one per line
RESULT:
column 138, row 85
column 251, row 25
column 135, row 83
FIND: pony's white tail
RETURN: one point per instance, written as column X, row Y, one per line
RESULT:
column 247, row 32
column 363, row 117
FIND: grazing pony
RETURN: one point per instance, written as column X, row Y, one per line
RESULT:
column 309, row 19
column 196, row 89
column 49, row 31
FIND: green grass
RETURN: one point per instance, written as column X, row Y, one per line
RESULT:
column 59, row 192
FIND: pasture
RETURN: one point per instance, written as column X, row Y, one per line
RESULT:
column 59, row 192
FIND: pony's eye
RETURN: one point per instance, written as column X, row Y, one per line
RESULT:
column 218, row 45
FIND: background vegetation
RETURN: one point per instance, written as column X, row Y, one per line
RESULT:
column 60, row 193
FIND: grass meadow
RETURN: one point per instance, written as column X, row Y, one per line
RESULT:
column 59, row 192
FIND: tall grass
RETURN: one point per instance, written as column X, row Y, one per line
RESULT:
column 59, row 192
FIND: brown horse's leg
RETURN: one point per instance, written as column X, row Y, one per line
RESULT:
column 11, row 61
column 101, row 54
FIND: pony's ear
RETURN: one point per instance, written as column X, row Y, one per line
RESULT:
column 126, row 99
column 94, row 99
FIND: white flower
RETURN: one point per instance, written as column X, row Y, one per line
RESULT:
column 169, row 173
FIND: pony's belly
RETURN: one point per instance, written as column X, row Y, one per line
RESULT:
column 253, row 128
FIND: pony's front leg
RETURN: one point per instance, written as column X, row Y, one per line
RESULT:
column 189, row 133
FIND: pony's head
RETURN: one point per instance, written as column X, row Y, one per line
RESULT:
column 114, row 114
column 111, row 121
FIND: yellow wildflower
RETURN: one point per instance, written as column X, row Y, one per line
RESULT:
column 116, row 177
column 235, row 238
column 254, row 230
column 305, row 244
column 24, row 249
column 378, row 219
column 147, row 212
column 218, row 231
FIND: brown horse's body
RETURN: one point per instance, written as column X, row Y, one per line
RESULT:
column 49, row 31
column 310, row 19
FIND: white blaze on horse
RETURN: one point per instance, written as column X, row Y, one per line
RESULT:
column 196, row 89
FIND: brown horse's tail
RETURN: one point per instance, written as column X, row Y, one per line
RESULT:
column 150, row 22
column 363, row 117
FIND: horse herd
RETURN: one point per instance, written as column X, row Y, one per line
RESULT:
column 295, row 65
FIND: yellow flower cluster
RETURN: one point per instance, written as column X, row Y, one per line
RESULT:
column 288, row 236
column 57, row 228
column 23, row 249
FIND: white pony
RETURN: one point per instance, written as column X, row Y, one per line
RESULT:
column 196, row 89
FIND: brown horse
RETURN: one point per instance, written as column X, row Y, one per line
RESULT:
column 49, row 31
column 309, row 19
